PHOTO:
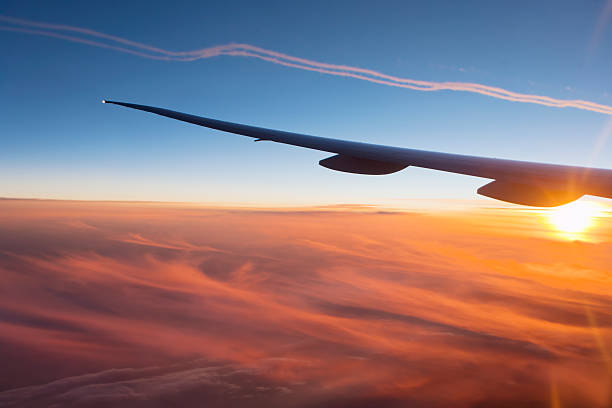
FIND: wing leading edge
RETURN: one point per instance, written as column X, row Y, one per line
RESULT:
column 519, row 182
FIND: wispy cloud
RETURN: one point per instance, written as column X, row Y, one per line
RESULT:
column 183, row 382
column 103, row 40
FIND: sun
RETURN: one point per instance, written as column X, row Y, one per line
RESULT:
column 574, row 219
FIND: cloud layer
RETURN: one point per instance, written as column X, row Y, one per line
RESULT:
column 115, row 43
column 125, row 304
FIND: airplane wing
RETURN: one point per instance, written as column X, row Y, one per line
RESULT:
column 519, row 182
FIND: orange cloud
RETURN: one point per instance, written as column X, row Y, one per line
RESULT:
column 120, row 303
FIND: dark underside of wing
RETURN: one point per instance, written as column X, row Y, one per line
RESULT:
column 519, row 182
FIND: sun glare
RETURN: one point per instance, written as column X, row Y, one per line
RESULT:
column 574, row 219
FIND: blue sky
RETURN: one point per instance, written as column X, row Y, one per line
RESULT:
column 59, row 141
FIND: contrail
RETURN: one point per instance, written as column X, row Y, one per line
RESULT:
column 98, row 39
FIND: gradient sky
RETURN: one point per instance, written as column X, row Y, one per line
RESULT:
column 287, row 288
column 58, row 141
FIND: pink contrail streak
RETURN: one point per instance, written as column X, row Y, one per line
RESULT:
column 69, row 33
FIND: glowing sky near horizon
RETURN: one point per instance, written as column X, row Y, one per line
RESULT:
column 59, row 142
